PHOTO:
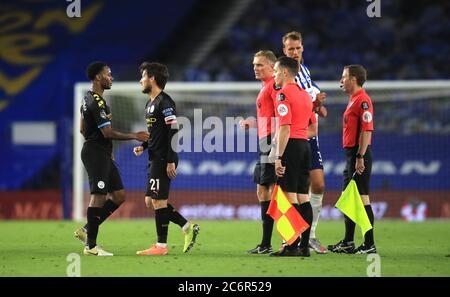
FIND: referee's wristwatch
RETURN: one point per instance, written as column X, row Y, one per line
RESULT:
column 279, row 158
column 359, row 156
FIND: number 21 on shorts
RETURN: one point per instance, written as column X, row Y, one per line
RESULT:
column 154, row 184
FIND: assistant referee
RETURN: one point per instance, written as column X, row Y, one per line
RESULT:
column 356, row 139
column 293, row 110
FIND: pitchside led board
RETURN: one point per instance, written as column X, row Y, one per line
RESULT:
column 400, row 163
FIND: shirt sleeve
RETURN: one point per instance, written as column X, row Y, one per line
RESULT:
column 283, row 109
column 169, row 114
column 100, row 113
column 365, row 109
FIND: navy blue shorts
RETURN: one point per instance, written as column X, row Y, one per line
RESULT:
column 316, row 157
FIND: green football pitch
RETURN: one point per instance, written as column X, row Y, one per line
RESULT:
column 37, row 248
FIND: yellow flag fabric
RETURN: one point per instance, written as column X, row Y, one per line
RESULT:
column 351, row 205
column 289, row 223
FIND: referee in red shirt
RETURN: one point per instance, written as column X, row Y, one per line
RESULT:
column 293, row 111
column 264, row 173
column 356, row 138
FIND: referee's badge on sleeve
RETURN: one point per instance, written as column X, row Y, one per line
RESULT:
column 367, row 117
column 282, row 110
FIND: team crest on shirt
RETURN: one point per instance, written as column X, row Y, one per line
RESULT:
column 367, row 117
column 281, row 97
column 282, row 110
column 101, row 184
column 365, row 105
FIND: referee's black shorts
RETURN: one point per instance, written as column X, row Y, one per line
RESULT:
column 297, row 159
column 363, row 180
column 102, row 171
column 264, row 173
column 158, row 183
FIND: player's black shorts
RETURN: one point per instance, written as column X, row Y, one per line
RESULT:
column 363, row 180
column 316, row 157
column 102, row 171
column 264, row 173
column 158, row 183
column 296, row 158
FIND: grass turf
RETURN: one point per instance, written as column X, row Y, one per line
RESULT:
column 40, row 248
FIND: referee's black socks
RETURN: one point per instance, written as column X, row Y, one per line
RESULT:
column 175, row 216
column 267, row 224
column 93, row 221
column 108, row 208
column 162, row 218
column 306, row 212
column 368, row 237
column 349, row 229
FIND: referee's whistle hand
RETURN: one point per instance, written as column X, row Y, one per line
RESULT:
column 142, row 135
column 171, row 170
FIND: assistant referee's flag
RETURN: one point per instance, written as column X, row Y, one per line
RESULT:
column 289, row 222
column 351, row 205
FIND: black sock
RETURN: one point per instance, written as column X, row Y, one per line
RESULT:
column 108, row 208
column 93, row 218
column 368, row 237
column 349, row 229
column 306, row 212
column 267, row 224
column 175, row 216
column 162, row 224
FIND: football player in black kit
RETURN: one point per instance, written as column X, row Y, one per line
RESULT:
column 97, row 157
column 161, row 118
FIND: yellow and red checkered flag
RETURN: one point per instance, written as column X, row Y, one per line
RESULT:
column 289, row 222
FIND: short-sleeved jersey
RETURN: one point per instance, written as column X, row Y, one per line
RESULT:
column 96, row 114
column 357, row 117
column 265, row 108
column 294, row 107
column 161, row 118
column 303, row 79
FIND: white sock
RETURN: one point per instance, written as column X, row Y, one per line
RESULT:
column 163, row 245
column 186, row 226
column 316, row 204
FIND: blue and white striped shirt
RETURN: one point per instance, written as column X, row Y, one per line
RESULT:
column 303, row 79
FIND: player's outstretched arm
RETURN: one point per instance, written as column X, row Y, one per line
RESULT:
column 108, row 132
